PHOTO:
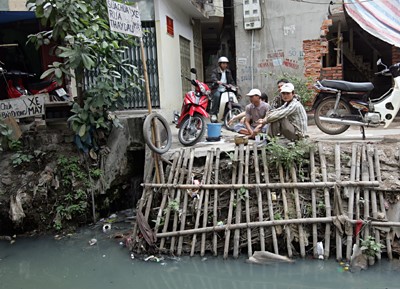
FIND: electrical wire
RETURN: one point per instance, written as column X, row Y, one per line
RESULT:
column 331, row 2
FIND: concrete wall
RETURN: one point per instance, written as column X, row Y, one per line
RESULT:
column 13, row 5
column 278, row 45
column 169, row 63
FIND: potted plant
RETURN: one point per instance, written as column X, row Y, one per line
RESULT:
column 370, row 248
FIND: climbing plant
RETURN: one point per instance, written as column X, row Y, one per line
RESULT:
column 80, row 32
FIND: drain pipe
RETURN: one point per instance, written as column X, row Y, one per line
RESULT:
column 252, row 59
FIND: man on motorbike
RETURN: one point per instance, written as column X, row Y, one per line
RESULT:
column 220, row 75
column 255, row 111
column 289, row 120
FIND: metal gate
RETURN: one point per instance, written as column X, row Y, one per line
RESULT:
column 136, row 99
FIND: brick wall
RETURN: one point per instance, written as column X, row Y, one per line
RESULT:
column 314, row 50
column 335, row 72
column 395, row 54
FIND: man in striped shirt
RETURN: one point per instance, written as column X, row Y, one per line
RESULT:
column 289, row 120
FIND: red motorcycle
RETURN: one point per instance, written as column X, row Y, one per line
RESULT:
column 191, row 122
column 16, row 86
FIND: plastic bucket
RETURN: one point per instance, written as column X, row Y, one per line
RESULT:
column 214, row 130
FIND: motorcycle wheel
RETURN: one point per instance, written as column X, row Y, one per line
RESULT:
column 229, row 115
column 325, row 109
column 192, row 130
column 155, row 123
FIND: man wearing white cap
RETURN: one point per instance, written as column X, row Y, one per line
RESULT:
column 289, row 120
column 255, row 111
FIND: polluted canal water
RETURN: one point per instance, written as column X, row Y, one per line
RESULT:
column 45, row 263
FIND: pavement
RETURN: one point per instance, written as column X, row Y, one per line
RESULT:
column 353, row 134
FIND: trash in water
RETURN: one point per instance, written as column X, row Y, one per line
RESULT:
column 153, row 259
column 320, row 250
column 92, row 242
column 106, row 228
column 132, row 256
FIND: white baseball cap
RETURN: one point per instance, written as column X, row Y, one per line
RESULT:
column 254, row 91
column 287, row 87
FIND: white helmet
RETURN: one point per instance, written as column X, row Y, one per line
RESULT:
column 223, row 59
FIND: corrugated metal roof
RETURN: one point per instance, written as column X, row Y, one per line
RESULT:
column 381, row 18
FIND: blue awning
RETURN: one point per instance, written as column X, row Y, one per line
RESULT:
column 14, row 16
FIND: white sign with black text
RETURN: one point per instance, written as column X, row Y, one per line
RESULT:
column 124, row 19
column 24, row 106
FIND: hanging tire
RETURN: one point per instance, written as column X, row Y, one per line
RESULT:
column 155, row 122
column 192, row 130
column 229, row 115
column 325, row 109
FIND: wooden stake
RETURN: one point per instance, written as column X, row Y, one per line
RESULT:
column 259, row 195
column 313, row 202
column 298, row 213
column 231, row 200
column 374, row 204
column 236, row 238
column 185, row 202
column 247, row 202
column 365, row 177
column 200, row 202
column 327, row 201
column 338, row 209
column 215, row 209
column 286, row 213
column 358, row 173
column 205, row 213
column 167, row 211
column 350, row 209
column 178, row 198
column 382, row 202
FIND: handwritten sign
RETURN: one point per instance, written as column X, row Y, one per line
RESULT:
column 24, row 106
column 124, row 19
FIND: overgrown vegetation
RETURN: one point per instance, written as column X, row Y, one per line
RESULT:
column 73, row 199
column 5, row 135
column 84, row 42
column 288, row 155
column 370, row 247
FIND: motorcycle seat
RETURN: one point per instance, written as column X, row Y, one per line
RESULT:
column 39, row 85
column 348, row 86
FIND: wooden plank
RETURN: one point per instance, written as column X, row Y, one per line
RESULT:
column 350, row 207
column 215, row 203
column 236, row 237
column 247, row 202
column 313, row 202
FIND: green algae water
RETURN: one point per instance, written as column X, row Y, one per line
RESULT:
column 44, row 263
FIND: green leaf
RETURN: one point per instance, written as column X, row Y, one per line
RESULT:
column 82, row 130
column 47, row 73
column 58, row 72
column 87, row 61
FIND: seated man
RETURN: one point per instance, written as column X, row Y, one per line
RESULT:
column 242, row 116
column 289, row 120
column 255, row 111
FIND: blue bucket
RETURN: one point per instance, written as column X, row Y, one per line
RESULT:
column 214, row 130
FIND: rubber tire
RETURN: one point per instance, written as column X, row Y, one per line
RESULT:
column 330, row 104
column 227, row 118
column 185, row 123
column 147, row 133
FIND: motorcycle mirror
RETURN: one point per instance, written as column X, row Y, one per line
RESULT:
column 193, row 70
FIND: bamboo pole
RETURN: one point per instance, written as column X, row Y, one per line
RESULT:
column 199, row 204
column 313, row 202
column 185, row 202
column 178, row 197
column 286, row 213
column 382, row 202
column 350, row 209
column 298, row 214
column 247, row 202
column 231, row 200
column 179, row 171
column 205, row 213
column 321, row 220
column 176, row 159
column 374, row 204
column 269, row 201
column 327, row 201
column 305, row 185
column 259, row 195
column 338, row 208
column 236, row 237
column 215, row 208
column 358, row 172
column 365, row 177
